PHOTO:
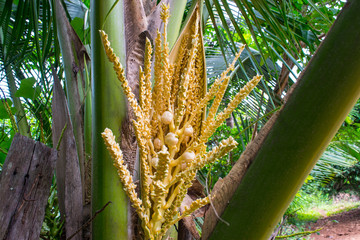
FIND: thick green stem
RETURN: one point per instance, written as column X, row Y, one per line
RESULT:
column 326, row 92
column 177, row 8
column 20, row 116
column 88, row 134
column 108, row 111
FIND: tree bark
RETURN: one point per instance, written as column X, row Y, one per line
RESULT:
column 75, row 58
column 68, row 175
column 24, row 188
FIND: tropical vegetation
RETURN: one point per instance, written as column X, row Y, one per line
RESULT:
column 306, row 51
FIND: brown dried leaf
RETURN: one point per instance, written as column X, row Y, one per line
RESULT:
column 68, row 176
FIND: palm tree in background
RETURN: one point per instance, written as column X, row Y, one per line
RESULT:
column 280, row 35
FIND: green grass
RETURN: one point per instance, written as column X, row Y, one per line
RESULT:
column 310, row 207
column 320, row 209
column 339, row 208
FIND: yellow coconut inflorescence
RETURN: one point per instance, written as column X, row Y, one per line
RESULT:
column 170, row 127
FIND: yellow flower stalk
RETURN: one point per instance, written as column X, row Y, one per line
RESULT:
column 170, row 128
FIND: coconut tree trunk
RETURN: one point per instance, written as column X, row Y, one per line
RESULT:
column 108, row 111
column 127, row 25
column 282, row 156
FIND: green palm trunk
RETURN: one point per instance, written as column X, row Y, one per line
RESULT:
column 21, row 119
column 326, row 92
column 108, row 110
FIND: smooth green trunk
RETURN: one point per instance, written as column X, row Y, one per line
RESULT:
column 108, row 111
column 326, row 92
column 21, row 120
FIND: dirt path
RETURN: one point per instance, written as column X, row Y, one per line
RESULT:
column 344, row 226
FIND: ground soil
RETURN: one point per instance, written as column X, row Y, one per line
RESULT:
column 343, row 226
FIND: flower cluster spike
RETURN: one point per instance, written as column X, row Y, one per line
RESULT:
column 170, row 127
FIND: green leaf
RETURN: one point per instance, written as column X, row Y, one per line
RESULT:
column 1, row 36
column 78, row 26
column 5, row 144
column 27, row 89
column 348, row 120
column 3, row 112
column 37, row 91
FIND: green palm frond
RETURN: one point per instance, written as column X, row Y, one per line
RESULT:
column 28, row 25
column 334, row 160
column 279, row 36
column 276, row 33
column 279, row 42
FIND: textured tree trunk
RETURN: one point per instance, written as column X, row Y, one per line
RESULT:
column 74, row 60
column 68, row 175
column 24, row 188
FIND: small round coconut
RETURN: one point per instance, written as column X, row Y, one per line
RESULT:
column 188, row 156
column 167, row 117
column 157, row 143
column 171, row 139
